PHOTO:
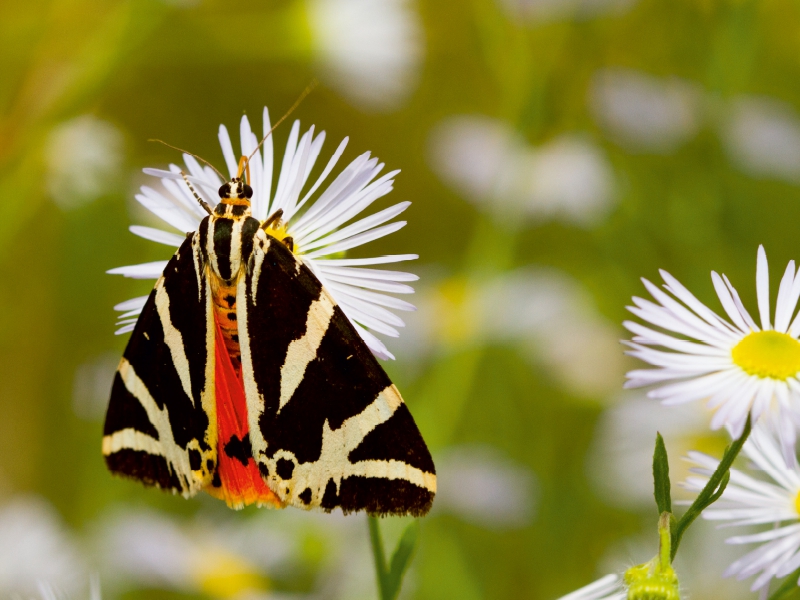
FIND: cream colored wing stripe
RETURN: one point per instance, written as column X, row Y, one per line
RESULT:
column 334, row 463
column 174, row 340
column 177, row 457
column 303, row 350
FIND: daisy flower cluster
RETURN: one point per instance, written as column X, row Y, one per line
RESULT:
column 746, row 369
column 742, row 367
column 317, row 216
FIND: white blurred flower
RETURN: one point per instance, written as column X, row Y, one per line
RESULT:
column 48, row 592
column 620, row 462
column 91, row 386
column 146, row 549
column 751, row 501
column 370, row 50
column 741, row 369
column 762, row 136
column 84, row 159
column 320, row 221
column 544, row 312
column 568, row 178
column 544, row 11
column 645, row 113
column 35, row 547
column 482, row 486
column 605, row 588
column 222, row 556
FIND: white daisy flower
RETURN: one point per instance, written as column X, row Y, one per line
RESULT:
column 750, row 501
column 605, row 588
column 316, row 217
column 740, row 367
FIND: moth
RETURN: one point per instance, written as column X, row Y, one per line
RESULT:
column 244, row 379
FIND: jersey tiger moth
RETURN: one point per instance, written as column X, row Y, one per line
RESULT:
column 244, row 378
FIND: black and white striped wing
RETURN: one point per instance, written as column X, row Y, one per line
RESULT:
column 163, row 399
column 327, row 427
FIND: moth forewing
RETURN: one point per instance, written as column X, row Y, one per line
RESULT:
column 159, row 424
column 317, row 397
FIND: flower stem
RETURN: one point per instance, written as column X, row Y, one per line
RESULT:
column 713, row 489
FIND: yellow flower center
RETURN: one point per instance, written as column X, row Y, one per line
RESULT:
column 797, row 503
column 768, row 354
column 223, row 575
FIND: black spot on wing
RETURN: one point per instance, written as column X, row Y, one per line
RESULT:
column 152, row 360
column 125, row 411
column 150, row 469
column 305, row 496
column 284, row 468
column 195, row 460
column 330, row 499
column 241, row 450
column 396, row 439
column 378, row 496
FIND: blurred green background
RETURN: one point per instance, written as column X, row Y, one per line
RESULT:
column 555, row 151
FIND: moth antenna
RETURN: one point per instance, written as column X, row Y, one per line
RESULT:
column 221, row 176
column 202, row 202
column 309, row 88
column 276, row 216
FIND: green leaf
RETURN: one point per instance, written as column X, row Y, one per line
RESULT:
column 712, row 490
column 401, row 559
column 390, row 579
column 661, row 477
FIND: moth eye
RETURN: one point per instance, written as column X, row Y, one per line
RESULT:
column 225, row 190
column 248, row 191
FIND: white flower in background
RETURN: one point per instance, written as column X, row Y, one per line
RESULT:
column 35, row 547
column 645, row 113
column 568, row 178
column 751, row 501
column 741, row 368
column 605, row 588
column 548, row 315
column 318, row 226
column 762, row 137
column 84, row 159
column 220, row 556
column 370, row 50
column 92, row 381
column 145, row 549
column 620, row 462
column 48, row 592
column 502, row 494
column 545, row 11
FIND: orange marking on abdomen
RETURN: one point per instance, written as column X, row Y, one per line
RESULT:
column 239, row 481
column 224, row 299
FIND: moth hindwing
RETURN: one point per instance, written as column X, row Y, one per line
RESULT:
column 243, row 371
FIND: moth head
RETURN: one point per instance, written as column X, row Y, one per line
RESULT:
column 235, row 189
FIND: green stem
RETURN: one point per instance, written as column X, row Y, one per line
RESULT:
column 712, row 490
